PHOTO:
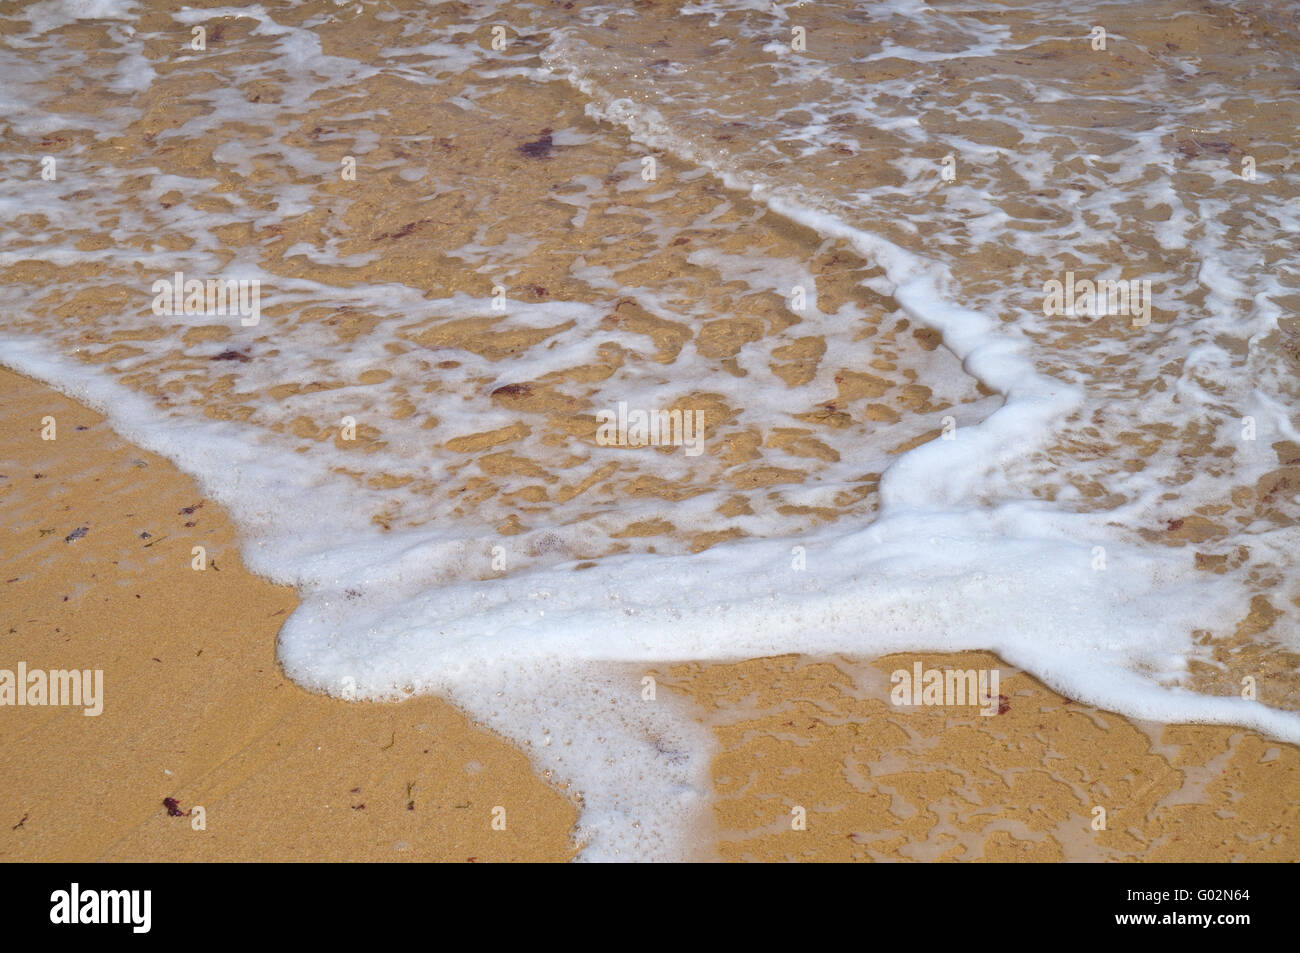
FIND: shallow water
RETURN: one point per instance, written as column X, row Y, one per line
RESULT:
column 836, row 256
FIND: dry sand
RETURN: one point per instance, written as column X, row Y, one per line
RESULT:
column 196, row 709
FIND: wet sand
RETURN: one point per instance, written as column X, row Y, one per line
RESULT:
column 195, row 707
column 197, row 710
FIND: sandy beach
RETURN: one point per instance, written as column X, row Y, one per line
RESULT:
column 839, row 244
column 196, row 709
column 195, row 706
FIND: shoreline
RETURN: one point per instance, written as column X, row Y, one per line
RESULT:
column 197, row 710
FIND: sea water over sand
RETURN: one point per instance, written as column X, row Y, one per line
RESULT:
column 826, row 230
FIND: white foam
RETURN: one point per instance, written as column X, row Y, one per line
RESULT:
column 961, row 556
column 51, row 14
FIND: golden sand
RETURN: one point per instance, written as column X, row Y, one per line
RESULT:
column 197, row 710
